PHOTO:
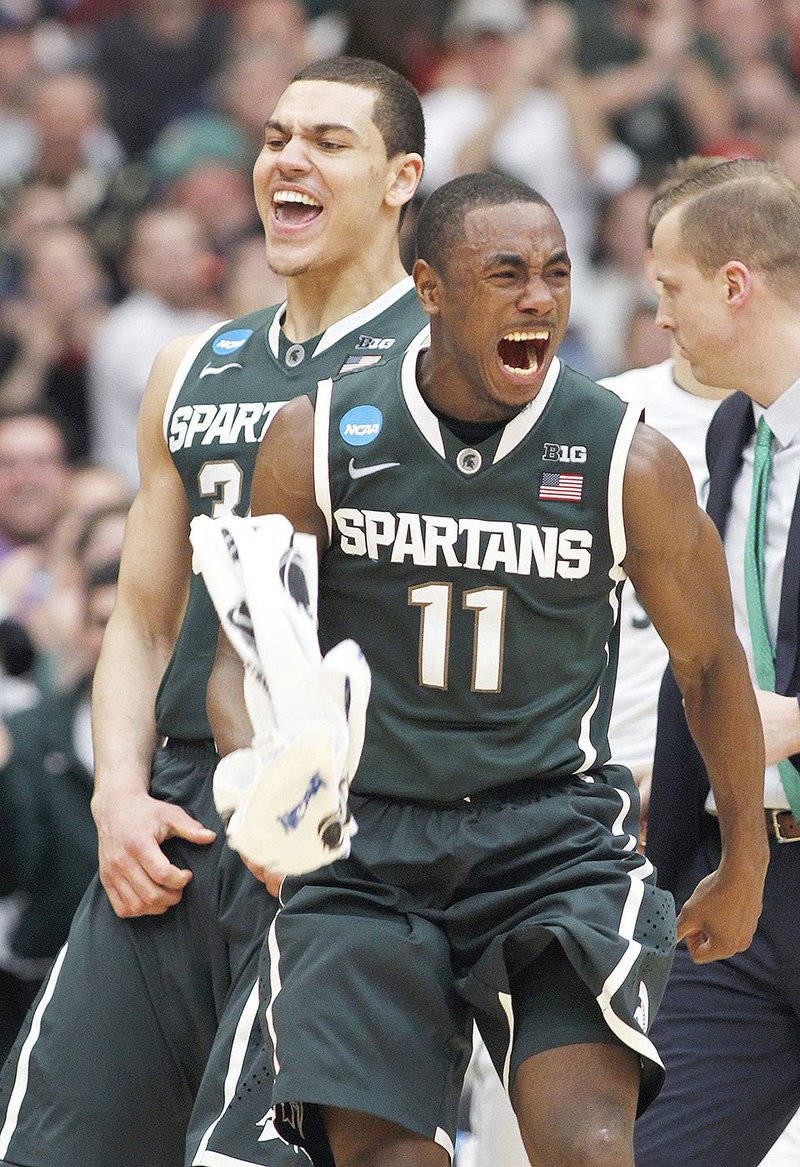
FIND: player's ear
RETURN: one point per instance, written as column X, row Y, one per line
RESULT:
column 404, row 175
column 427, row 284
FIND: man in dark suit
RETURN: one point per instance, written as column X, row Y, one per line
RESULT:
column 727, row 256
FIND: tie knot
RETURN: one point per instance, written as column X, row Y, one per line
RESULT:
column 763, row 433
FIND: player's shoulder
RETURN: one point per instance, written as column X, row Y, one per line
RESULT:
column 654, row 461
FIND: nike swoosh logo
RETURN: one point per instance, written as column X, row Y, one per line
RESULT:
column 362, row 471
column 212, row 370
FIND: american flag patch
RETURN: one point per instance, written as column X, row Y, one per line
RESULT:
column 354, row 362
column 562, row 487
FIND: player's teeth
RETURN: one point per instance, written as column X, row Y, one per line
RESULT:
column 294, row 196
column 520, row 336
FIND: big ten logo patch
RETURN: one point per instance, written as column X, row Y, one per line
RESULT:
column 556, row 452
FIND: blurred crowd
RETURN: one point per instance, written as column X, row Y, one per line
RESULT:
column 128, row 131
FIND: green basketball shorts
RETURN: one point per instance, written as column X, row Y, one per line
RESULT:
column 376, row 966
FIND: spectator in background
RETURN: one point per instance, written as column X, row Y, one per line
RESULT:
column 34, row 476
column 402, row 35
column 249, row 282
column 73, row 146
column 741, row 31
column 48, row 325
column 33, row 206
column 50, row 849
column 203, row 163
column 172, row 276
column 16, row 67
column 280, row 24
column 785, row 150
column 620, row 282
column 154, row 62
column 514, row 101
column 83, row 543
column 28, row 210
column 753, row 44
column 251, row 80
column 643, row 342
column 648, row 77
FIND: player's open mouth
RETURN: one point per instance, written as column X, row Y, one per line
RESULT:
column 295, row 209
column 523, row 352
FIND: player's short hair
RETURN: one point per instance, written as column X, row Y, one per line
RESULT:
column 440, row 225
column 743, row 209
column 398, row 111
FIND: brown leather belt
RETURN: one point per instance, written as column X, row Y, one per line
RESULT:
column 783, row 826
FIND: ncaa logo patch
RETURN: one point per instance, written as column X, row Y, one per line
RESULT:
column 361, row 425
column 229, row 342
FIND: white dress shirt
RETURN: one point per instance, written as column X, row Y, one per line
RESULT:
column 783, row 418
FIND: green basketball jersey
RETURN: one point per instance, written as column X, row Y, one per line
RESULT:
column 228, row 388
column 481, row 581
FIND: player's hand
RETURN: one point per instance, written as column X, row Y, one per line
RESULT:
column 780, row 717
column 720, row 917
column 266, row 875
column 136, row 874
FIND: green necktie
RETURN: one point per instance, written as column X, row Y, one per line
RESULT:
column 763, row 653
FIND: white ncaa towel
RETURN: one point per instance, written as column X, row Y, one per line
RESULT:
column 284, row 799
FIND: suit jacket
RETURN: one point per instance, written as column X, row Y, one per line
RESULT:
column 678, row 823
column 51, row 851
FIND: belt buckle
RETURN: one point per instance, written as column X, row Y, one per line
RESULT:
column 776, row 826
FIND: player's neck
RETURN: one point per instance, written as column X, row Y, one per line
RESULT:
column 315, row 301
column 685, row 379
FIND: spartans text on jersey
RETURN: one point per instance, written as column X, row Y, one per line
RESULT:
column 474, row 544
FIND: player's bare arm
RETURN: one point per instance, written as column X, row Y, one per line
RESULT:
column 153, row 584
column 676, row 563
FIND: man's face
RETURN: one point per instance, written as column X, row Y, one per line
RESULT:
column 170, row 258
column 692, row 306
column 33, row 478
column 502, row 304
column 321, row 177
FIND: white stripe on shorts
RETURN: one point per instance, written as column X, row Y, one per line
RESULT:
column 639, row 1042
column 20, row 1086
column 241, row 1038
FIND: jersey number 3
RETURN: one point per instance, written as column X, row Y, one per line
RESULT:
column 222, row 482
